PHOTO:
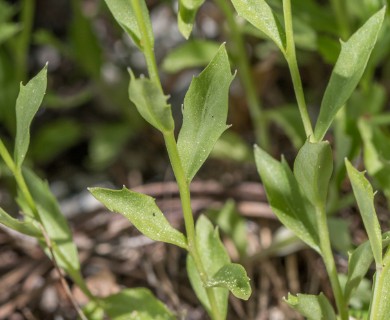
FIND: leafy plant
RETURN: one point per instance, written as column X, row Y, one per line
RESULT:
column 299, row 197
column 43, row 220
column 302, row 197
column 204, row 120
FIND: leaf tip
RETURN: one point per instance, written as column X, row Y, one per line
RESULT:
column 131, row 73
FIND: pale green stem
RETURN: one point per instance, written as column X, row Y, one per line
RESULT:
column 184, row 190
column 147, row 46
column 23, row 41
column 174, row 157
column 6, row 157
column 327, row 255
column 185, row 198
column 17, row 172
column 383, row 119
column 290, row 56
column 259, row 121
column 378, row 288
column 339, row 8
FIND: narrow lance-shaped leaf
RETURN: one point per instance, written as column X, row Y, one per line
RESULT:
column 313, row 168
column 373, row 153
column 289, row 119
column 365, row 199
column 358, row 264
column 187, row 14
column 27, row 104
column 55, row 226
column 8, row 30
column 312, row 307
column 51, row 218
column 260, row 14
column 124, row 14
column 88, row 53
column 233, row 277
column 347, row 72
column 231, row 223
column 376, row 153
column 192, row 53
column 340, row 238
column 133, row 304
column 214, row 256
column 21, row 226
column 151, row 103
column 205, row 113
column 285, row 198
column 142, row 212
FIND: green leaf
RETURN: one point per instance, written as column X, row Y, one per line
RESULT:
column 285, row 198
column 205, row 113
column 358, row 264
column 260, row 14
column 55, row 225
column 85, row 44
column 187, row 14
column 151, row 103
column 213, row 255
column 232, row 224
column 233, row 277
column 311, row 306
column 288, row 119
column 380, row 305
column 142, row 212
column 7, row 10
column 313, row 168
column 135, row 304
column 7, row 31
column 124, row 14
column 365, row 198
column 49, row 141
column 339, row 234
column 28, row 102
column 376, row 152
column 232, row 146
column 360, row 299
column 347, row 72
column 24, row 227
column 107, row 143
column 193, row 53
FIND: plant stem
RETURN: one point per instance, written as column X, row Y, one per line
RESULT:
column 17, row 172
column 25, row 191
column 64, row 284
column 291, row 58
column 23, row 41
column 377, row 292
column 147, row 46
column 174, row 157
column 6, row 157
column 185, row 198
column 259, row 120
column 378, row 286
column 341, row 13
column 327, row 255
